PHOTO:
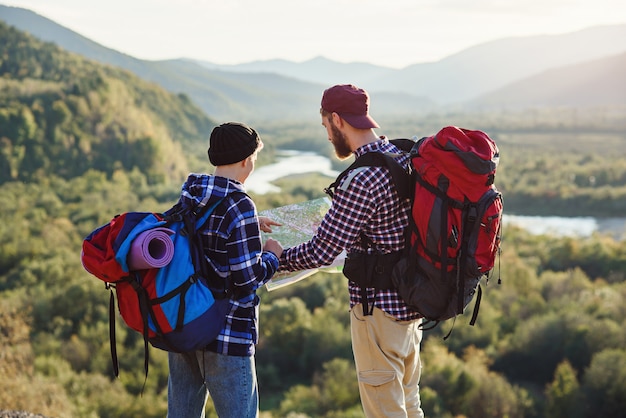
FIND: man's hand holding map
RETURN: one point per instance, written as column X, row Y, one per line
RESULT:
column 299, row 223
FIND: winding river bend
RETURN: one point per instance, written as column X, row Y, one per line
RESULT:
column 289, row 163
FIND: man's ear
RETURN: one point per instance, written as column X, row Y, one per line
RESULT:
column 337, row 120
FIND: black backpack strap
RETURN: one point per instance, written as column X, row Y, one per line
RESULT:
column 407, row 145
column 145, row 309
column 470, row 220
column 219, row 287
column 400, row 176
column 479, row 296
column 112, row 339
column 367, row 310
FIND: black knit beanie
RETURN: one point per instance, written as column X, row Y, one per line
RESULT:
column 232, row 142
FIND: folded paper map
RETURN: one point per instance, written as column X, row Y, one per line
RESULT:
column 299, row 223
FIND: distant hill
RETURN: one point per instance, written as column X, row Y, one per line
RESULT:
column 486, row 67
column 281, row 90
column 465, row 75
column 63, row 114
column 318, row 70
column 600, row 82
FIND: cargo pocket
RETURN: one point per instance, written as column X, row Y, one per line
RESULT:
column 376, row 377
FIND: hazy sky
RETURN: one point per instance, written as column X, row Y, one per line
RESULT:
column 393, row 33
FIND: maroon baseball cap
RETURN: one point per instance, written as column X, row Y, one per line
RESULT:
column 351, row 103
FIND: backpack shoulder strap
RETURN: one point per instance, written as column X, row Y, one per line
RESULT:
column 405, row 144
column 192, row 221
column 400, row 176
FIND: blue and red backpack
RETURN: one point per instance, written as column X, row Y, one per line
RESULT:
column 179, row 307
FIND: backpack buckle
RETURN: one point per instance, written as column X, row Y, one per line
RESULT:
column 472, row 214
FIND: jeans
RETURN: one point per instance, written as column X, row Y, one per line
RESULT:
column 230, row 380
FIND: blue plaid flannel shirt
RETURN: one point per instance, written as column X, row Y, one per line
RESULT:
column 231, row 238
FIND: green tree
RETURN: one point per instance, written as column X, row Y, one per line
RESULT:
column 604, row 384
column 285, row 327
column 334, row 393
column 465, row 386
column 563, row 394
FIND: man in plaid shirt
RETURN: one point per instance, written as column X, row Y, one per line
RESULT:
column 367, row 217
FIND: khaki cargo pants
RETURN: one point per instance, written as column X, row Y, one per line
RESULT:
column 386, row 354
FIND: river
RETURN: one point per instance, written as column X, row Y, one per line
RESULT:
column 569, row 226
column 289, row 163
column 297, row 162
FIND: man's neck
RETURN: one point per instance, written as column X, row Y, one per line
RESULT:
column 363, row 137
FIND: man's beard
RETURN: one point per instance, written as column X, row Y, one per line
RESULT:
column 340, row 142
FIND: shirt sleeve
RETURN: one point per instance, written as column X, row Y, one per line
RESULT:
column 340, row 228
column 250, row 267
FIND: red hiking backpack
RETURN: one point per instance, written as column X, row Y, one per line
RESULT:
column 455, row 228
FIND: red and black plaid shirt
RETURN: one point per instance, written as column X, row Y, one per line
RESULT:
column 368, row 202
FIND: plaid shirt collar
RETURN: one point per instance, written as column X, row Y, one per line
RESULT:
column 375, row 146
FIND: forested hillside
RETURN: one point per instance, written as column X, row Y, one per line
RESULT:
column 82, row 142
column 63, row 114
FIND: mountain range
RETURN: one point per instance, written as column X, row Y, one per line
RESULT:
column 580, row 69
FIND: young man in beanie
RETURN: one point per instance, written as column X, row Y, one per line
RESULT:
column 232, row 243
column 367, row 219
